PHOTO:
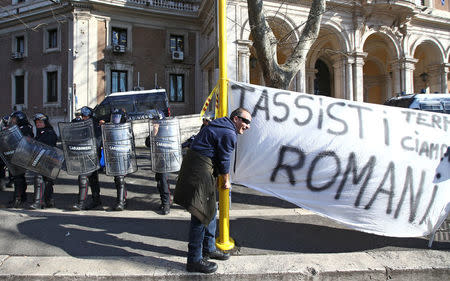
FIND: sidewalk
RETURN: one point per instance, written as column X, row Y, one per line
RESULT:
column 422, row 265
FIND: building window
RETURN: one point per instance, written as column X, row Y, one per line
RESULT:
column 176, row 43
column 119, row 36
column 52, row 86
column 20, row 89
column 52, row 38
column 20, row 44
column 176, row 92
column 119, row 79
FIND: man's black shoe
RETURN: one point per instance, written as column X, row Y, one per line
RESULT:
column 202, row 266
column 217, row 255
column 165, row 210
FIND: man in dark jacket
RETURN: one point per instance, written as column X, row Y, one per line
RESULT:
column 43, row 186
column 196, row 189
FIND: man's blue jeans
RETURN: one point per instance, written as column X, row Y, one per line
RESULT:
column 201, row 237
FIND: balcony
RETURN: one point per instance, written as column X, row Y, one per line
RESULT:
column 392, row 6
column 181, row 5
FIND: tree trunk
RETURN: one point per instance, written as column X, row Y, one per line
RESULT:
column 265, row 43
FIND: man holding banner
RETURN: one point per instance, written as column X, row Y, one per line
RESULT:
column 196, row 188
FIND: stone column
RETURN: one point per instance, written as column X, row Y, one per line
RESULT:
column 437, row 80
column 445, row 78
column 358, row 76
column 407, row 74
column 396, row 81
column 243, row 47
column 339, row 77
column 388, row 86
column 310, row 74
column 349, row 78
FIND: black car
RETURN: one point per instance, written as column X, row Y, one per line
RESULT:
column 137, row 104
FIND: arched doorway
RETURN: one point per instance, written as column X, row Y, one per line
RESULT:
column 326, row 65
column 322, row 80
column 377, row 69
column 428, row 69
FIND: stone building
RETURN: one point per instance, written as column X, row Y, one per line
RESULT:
column 61, row 55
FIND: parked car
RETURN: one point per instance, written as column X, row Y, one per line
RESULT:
column 427, row 102
column 138, row 104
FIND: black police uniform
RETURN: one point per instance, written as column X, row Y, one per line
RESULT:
column 43, row 186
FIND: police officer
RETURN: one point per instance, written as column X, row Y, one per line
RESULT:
column 118, row 116
column 43, row 186
column 85, row 180
column 3, row 180
column 20, row 184
column 162, row 179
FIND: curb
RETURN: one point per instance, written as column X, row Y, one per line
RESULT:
column 380, row 265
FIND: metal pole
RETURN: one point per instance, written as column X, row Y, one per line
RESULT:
column 224, row 241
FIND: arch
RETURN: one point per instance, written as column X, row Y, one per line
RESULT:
column 340, row 44
column 429, row 73
column 428, row 41
column 394, row 46
column 331, row 47
column 342, row 35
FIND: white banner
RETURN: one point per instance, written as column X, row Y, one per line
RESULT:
column 374, row 168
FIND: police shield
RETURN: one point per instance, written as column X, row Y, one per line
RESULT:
column 79, row 146
column 118, row 146
column 9, row 139
column 38, row 157
column 165, row 145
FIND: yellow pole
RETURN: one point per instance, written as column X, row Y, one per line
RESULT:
column 224, row 241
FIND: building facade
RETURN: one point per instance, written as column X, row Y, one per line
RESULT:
column 60, row 56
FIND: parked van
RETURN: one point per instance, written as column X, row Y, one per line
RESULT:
column 427, row 102
column 138, row 104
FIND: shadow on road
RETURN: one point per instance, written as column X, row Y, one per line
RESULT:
column 301, row 237
column 111, row 236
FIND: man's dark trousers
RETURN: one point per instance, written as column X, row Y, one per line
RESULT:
column 201, row 238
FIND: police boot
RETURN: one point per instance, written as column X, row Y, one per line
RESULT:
column 95, row 189
column 121, row 193
column 48, row 194
column 20, row 195
column 82, row 194
column 39, row 190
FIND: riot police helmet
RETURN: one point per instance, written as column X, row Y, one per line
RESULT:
column 118, row 116
column 18, row 118
column 41, row 117
column 86, row 111
column 5, row 120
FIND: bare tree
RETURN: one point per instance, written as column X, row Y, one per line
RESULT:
column 265, row 44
